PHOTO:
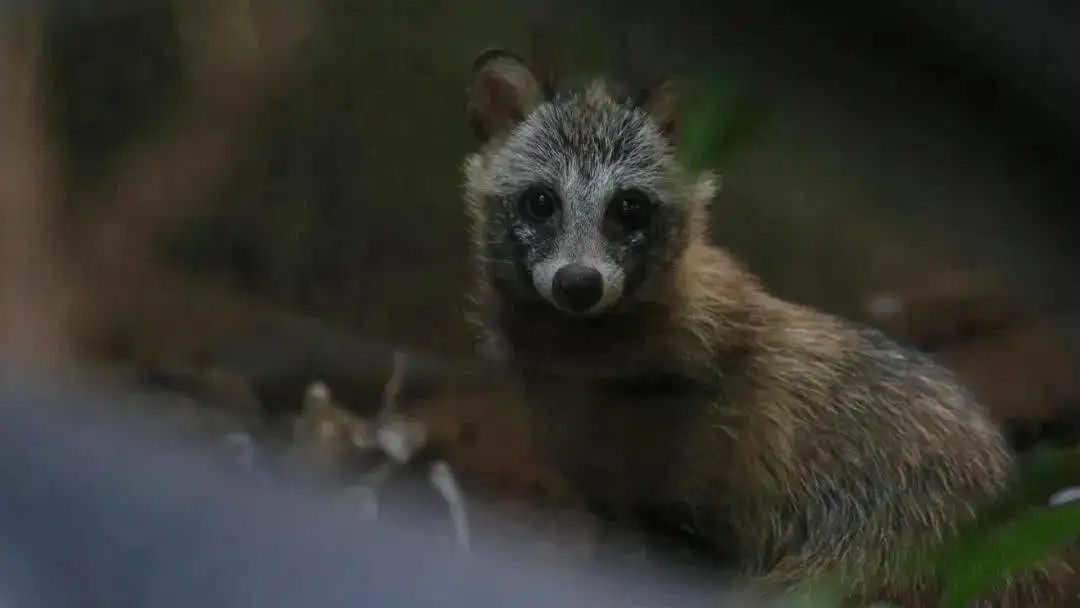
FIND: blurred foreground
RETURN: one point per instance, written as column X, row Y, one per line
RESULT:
column 104, row 507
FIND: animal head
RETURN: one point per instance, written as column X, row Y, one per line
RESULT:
column 578, row 204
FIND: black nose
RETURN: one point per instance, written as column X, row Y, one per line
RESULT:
column 577, row 287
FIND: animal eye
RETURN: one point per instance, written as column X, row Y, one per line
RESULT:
column 631, row 209
column 538, row 203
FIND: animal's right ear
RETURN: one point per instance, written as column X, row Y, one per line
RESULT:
column 662, row 103
column 502, row 91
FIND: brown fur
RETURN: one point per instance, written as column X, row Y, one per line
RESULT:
column 824, row 447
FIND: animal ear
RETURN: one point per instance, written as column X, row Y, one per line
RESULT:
column 502, row 91
column 661, row 102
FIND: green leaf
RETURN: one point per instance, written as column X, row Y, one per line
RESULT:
column 819, row 594
column 717, row 119
column 979, row 562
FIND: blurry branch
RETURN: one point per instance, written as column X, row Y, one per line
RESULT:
column 32, row 302
column 236, row 52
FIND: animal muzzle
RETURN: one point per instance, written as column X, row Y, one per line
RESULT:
column 579, row 286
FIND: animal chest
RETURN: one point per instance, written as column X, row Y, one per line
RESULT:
column 622, row 443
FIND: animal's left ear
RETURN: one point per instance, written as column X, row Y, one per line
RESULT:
column 661, row 102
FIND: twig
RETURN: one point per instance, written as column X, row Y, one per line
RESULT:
column 442, row 478
column 392, row 389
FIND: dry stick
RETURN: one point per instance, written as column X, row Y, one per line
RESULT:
column 387, row 437
column 392, row 389
column 439, row 474
column 443, row 479
column 398, row 436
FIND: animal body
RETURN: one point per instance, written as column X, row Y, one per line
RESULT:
column 666, row 379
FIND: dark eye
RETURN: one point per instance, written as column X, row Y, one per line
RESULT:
column 631, row 209
column 538, row 203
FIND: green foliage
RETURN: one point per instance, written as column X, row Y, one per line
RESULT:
column 818, row 594
column 1021, row 543
column 1014, row 533
column 718, row 119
